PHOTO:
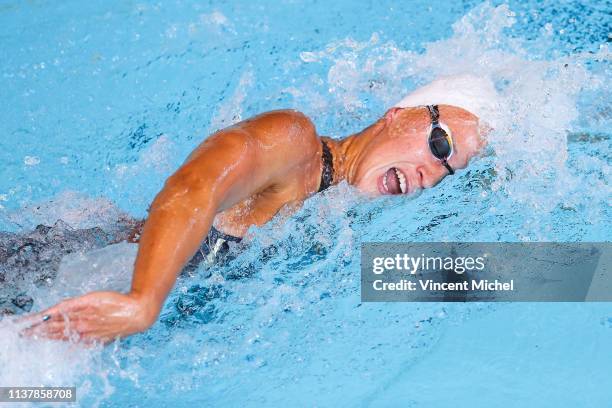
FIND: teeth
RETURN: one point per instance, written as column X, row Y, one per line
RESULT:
column 385, row 183
column 402, row 180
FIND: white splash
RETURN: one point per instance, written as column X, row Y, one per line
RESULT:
column 533, row 105
column 73, row 208
column 37, row 363
column 108, row 268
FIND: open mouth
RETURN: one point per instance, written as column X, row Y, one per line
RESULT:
column 393, row 182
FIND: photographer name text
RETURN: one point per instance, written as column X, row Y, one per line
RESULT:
column 432, row 286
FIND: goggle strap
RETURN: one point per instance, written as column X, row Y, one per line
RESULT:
column 434, row 113
column 448, row 167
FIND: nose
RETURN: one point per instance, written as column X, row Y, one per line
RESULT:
column 431, row 174
column 391, row 113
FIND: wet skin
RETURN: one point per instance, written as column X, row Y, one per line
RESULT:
column 242, row 176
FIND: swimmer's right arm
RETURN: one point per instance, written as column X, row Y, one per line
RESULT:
column 225, row 169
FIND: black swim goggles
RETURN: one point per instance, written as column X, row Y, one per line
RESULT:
column 439, row 140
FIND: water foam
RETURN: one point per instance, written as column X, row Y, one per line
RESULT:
column 535, row 106
column 297, row 301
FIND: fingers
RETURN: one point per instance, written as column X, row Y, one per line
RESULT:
column 30, row 320
column 81, row 333
column 54, row 330
column 63, row 329
column 36, row 319
column 57, row 326
column 53, row 313
column 91, row 318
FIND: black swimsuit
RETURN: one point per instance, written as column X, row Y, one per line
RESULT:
column 327, row 174
column 216, row 244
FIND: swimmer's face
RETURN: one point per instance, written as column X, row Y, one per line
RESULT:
column 398, row 159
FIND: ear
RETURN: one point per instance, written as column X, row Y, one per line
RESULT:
column 391, row 113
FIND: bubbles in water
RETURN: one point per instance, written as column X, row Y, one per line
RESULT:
column 289, row 296
column 31, row 160
column 230, row 111
column 49, row 363
column 538, row 99
column 29, row 264
column 74, row 209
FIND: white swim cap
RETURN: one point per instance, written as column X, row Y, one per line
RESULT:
column 474, row 94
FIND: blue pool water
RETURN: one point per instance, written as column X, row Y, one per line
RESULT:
column 102, row 100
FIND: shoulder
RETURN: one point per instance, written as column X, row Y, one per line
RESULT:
column 285, row 119
column 283, row 127
column 282, row 114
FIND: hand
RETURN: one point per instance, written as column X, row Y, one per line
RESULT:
column 95, row 317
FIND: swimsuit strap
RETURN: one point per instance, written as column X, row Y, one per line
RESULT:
column 327, row 175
